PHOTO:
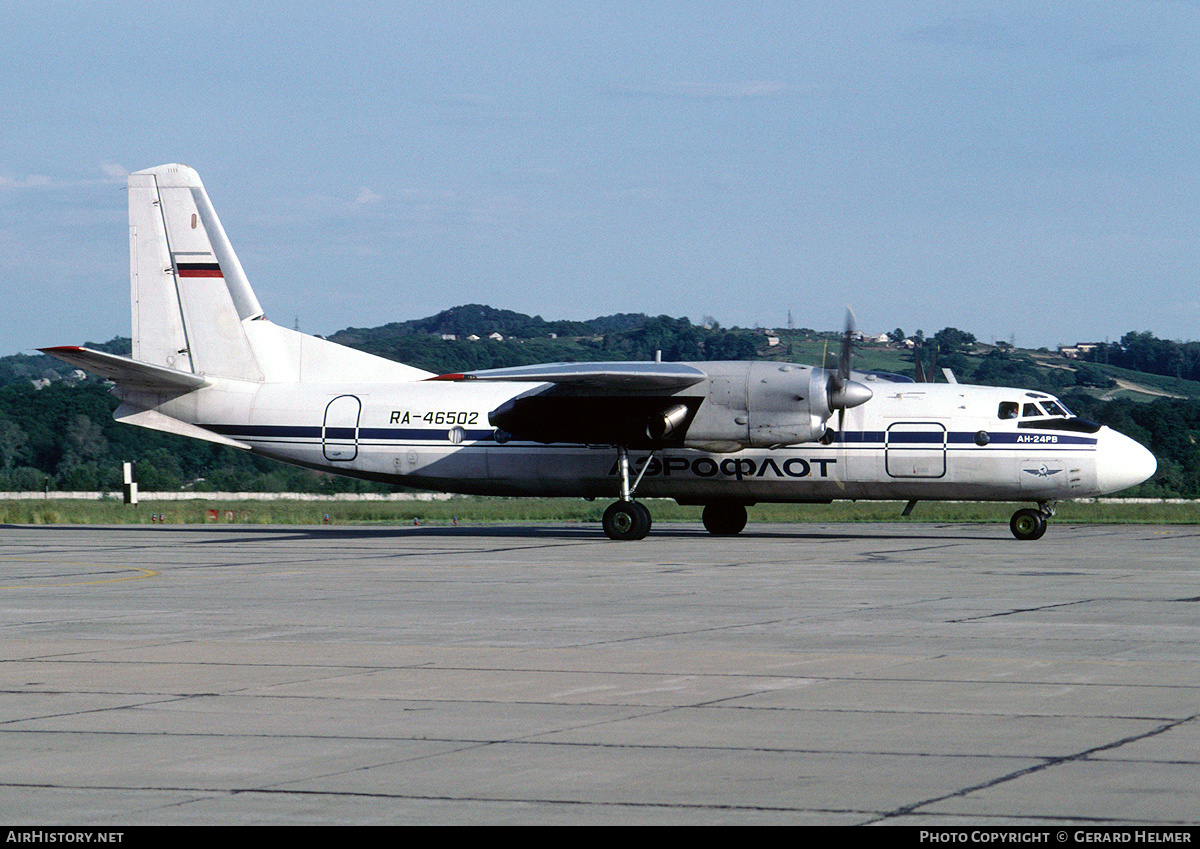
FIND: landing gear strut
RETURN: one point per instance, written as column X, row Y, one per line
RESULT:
column 627, row 519
column 1030, row 524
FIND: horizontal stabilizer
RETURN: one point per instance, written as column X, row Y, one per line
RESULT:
column 129, row 414
column 616, row 377
column 127, row 372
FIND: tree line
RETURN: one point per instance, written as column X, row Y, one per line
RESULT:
column 1144, row 352
column 63, row 437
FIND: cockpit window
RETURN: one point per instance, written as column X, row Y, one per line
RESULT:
column 1047, row 407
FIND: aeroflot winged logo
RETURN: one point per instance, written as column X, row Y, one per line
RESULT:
column 1042, row 471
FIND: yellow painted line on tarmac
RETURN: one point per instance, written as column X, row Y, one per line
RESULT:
column 143, row 573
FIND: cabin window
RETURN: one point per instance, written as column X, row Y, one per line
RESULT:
column 1008, row 409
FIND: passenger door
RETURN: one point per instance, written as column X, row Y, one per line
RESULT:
column 339, row 435
column 915, row 450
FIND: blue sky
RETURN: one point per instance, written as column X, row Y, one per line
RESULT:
column 1022, row 171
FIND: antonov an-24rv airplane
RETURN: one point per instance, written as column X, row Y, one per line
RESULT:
column 206, row 363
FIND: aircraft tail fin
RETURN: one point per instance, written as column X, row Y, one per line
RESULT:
column 193, row 309
column 189, row 293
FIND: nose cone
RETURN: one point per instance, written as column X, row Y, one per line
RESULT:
column 1121, row 462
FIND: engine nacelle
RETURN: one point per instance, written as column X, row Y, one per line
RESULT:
column 736, row 405
column 763, row 405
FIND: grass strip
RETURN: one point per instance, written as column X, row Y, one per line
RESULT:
column 480, row 510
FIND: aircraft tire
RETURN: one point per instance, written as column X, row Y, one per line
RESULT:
column 1027, row 524
column 724, row 520
column 626, row 520
column 646, row 519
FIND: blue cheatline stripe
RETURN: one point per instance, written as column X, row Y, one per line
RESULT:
column 386, row 433
column 879, row 437
column 1027, row 438
column 863, row 438
column 342, row 433
column 917, row 438
column 265, row 431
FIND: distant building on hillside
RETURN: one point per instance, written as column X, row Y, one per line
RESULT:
column 1073, row 352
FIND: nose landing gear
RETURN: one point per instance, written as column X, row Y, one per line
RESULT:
column 1029, row 524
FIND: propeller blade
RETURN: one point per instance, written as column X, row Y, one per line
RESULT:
column 843, row 371
column 844, row 392
column 838, row 379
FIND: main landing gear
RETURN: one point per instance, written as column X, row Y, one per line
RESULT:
column 1027, row 523
column 724, row 519
column 627, row 519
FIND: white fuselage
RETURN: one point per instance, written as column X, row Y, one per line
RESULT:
column 912, row 441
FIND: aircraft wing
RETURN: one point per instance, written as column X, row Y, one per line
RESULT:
column 595, row 403
column 126, row 371
column 594, row 377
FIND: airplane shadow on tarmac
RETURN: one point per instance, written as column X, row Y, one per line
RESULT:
column 580, row 533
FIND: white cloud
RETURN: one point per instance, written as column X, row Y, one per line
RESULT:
column 112, row 169
column 990, row 33
column 366, row 196
column 30, row 182
column 710, row 91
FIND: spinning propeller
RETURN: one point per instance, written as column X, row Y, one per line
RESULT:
column 843, row 392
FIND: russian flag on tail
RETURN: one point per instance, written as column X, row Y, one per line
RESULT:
column 199, row 269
